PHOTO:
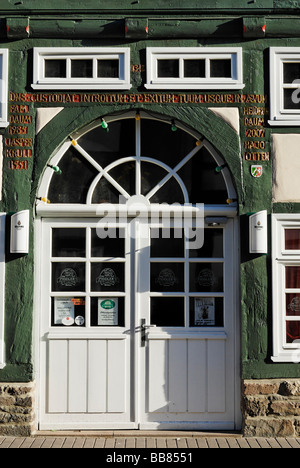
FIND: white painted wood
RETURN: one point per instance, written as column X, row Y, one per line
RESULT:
column 216, row 379
column 160, row 53
column 97, row 376
column 157, row 377
column 178, row 388
column 92, row 53
column 58, row 377
column 197, row 376
column 77, row 376
column 116, row 377
column 100, row 377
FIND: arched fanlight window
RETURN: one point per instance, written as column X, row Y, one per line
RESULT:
column 139, row 154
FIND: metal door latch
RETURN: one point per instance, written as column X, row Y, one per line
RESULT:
column 144, row 328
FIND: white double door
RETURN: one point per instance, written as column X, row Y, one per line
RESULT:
column 137, row 330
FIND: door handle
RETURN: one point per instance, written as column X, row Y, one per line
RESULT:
column 144, row 328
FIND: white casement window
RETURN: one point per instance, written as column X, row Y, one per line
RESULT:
column 194, row 68
column 81, row 68
column 286, row 288
column 3, row 87
column 285, row 86
column 2, row 287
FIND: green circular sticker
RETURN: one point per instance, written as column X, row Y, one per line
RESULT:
column 108, row 304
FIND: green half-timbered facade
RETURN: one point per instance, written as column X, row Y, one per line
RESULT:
column 150, row 216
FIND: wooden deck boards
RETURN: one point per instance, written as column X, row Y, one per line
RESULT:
column 150, row 441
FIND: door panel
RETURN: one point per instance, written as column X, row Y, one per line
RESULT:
column 188, row 363
column 97, row 370
column 86, row 332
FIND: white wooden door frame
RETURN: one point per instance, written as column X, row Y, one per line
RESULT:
column 195, row 339
column 138, row 293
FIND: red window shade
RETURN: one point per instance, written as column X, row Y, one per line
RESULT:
column 292, row 277
column 292, row 331
column 292, row 239
column 293, row 304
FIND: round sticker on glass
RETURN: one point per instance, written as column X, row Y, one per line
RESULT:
column 79, row 320
column 68, row 321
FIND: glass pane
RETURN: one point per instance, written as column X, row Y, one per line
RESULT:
column 77, row 175
column 68, row 242
column 167, row 311
column 220, row 68
column 291, row 98
column 292, row 332
column 206, row 277
column 159, row 142
column 291, row 72
column 194, row 68
column 105, row 192
column 167, row 277
column 106, row 147
column 169, row 193
column 206, row 312
column 124, row 174
column 68, row 311
column 108, row 68
column 213, row 245
column 168, row 68
column 68, row 276
column 111, row 246
column 165, row 243
column 292, row 239
column 203, row 183
column 82, row 68
column 292, row 279
column 107, row 312
column 55, row 68
column 108, row 276
column 151, row 174
column 293, row 304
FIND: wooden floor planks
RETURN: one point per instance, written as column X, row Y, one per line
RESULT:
column 151, row 442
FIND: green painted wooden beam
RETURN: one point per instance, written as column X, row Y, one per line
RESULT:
column 152, row 28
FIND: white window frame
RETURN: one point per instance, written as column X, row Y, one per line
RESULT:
column 278, row 115
column 2, row 288
column 81, row 53
column 3, row 88
column 282, row 351
column 193, row 53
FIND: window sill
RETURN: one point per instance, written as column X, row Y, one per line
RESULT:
column 187, row 86
column 293, row 358
column 284, row 123
column 86, row 86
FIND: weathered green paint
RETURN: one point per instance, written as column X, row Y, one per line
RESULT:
column 137, row 28
column 168, row 6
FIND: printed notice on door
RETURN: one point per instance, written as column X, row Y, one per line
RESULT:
column 64, row 311
column 204, row 312
column 108, row 312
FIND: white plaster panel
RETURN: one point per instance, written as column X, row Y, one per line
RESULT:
column 286, row 167
column 45, row 115
column 230, row 115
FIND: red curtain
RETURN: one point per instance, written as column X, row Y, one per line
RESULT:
column 292, row 331
column 292, row 239
column 292, row 281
